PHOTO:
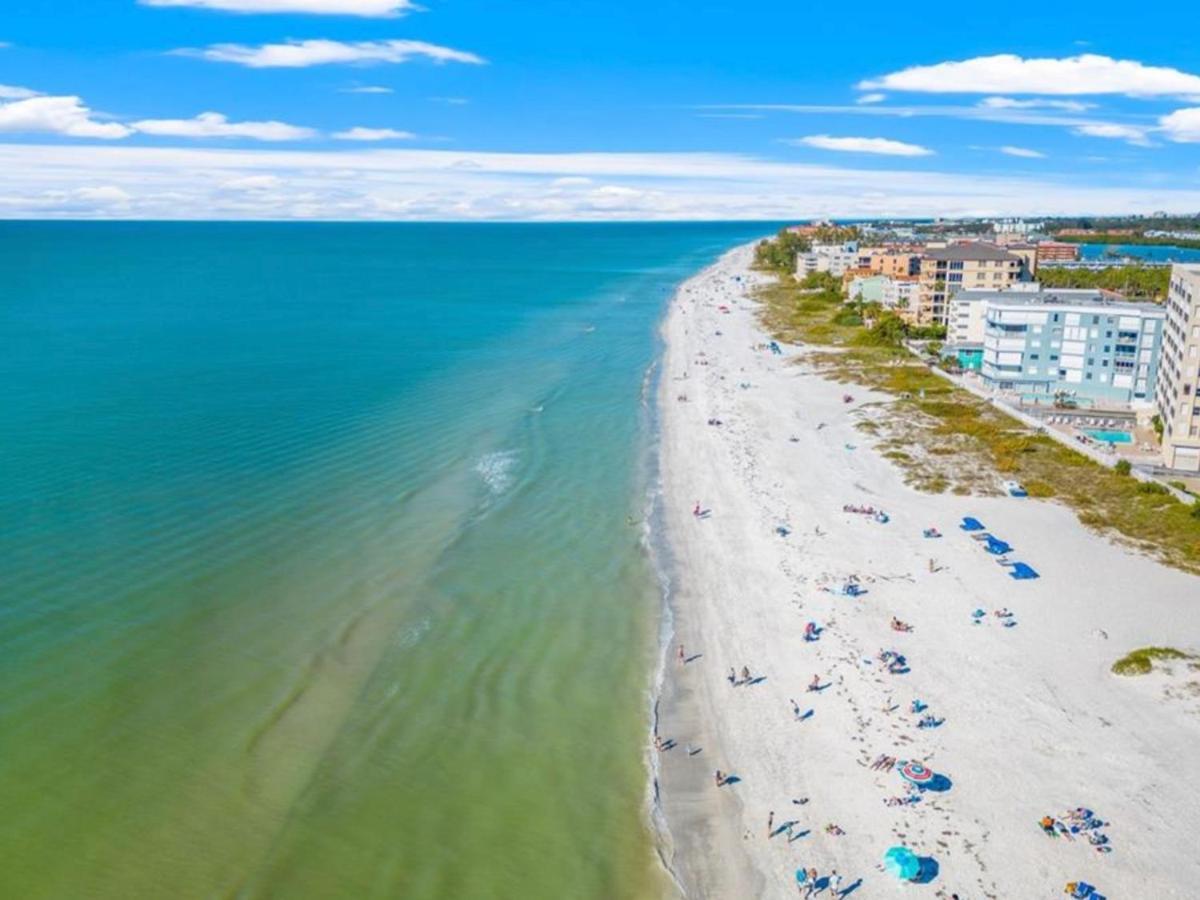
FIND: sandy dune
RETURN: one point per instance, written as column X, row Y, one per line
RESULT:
column 1035, row 723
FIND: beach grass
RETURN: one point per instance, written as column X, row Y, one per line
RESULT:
column 1141, row 662
column 947, row 439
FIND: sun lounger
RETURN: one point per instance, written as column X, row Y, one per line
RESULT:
column 970, row 524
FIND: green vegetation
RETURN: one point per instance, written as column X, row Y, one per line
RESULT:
column 1100, row 223
column 1133, row 281
column 1122, row 467
column 946, row 438
column 779, row 253
column 1141, row 662
column 1101, row 237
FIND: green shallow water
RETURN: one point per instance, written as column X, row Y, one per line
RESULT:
column 317, row 574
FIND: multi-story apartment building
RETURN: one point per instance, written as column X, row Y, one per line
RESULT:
column 966, row 318
column 889, row 261
column 1177, row 393
column 1087, row 343
column 900, row 294
column 971, row 266
column 832, row 258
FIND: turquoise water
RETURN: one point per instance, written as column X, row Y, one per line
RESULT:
column 1158, row 253
column 322, row 565
column 1111, row 437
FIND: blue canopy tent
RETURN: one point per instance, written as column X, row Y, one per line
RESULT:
column 1021, row 571
column 970, row 524
column 997, row 546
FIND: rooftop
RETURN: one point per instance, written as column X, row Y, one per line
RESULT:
column 969, row 252
column 1087, row 299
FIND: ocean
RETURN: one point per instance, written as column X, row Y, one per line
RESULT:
column 325, row 566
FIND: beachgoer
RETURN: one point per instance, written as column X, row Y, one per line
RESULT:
column 682, row 656
column 795, row 709
column 719, row 777
column 696, row 509
column 732, row 676
column 746, row 674
column 835, row 882
column 815, row 684
column 770, row 822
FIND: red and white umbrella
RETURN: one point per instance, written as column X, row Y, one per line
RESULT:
column 916, row 773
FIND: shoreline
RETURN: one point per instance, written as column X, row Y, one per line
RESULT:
column 1037, row 698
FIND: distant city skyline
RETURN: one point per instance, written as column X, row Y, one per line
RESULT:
column 385, row 109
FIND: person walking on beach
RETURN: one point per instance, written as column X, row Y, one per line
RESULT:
column 682, row 655
column 732, row 677
column 812, row 882
column 835, row 882
column 795, row 710
column 746, row 674
column 719, row 777
column 770, row 822
column 696, row 509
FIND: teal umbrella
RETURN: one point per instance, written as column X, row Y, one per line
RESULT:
column 902, row 863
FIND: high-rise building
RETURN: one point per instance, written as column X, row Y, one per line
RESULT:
column 1177, row 392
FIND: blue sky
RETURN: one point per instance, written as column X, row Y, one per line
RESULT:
column 564, row 109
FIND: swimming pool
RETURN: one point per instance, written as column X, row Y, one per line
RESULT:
column 1111, row 437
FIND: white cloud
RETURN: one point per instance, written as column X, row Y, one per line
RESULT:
column 1023, row 152
column 253, row 183
column 215, row 125
column 39, row 181
column 871, row 98
column 451, row 101
column 1036, row 103
column 1134, row 134
column 57, row 115
column 374, row 134
column 367, row 89
column 570, row 181
column 367, row 8
column 881, row 146
column 300, row 54
column 1008, row 73
column 12, row 92
column 104, row 194
column 1182, row 126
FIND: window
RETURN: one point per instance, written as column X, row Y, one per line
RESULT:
column 1033, row 355
column 1107, row 348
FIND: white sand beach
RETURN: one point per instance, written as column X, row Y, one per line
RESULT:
column 1034, row 724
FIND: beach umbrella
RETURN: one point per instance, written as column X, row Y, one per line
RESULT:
column 902, row 862
column 916, row 773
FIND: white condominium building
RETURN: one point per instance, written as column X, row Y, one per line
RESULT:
column 1177, row 394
